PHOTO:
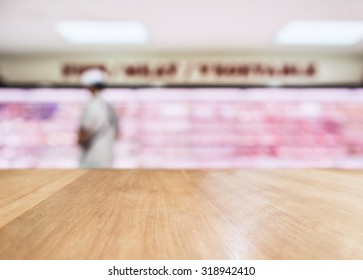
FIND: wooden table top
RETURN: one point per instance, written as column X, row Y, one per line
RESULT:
column 179, row 214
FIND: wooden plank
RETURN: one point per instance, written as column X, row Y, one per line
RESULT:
column 20, row 191
column 177, row 214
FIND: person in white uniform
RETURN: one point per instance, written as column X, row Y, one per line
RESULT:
column 99, row 125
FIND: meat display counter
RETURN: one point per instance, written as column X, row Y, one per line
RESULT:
column 190, row 127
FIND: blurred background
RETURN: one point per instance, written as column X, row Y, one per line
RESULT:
column 196, row 84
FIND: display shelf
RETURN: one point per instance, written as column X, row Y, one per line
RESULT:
column 189, row 128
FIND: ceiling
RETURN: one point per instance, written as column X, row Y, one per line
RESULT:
column 27, row 26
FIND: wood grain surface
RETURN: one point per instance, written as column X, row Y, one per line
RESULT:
column 179, row 214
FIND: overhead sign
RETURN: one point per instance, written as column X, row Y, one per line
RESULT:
column 184, row 70
column 199, row 72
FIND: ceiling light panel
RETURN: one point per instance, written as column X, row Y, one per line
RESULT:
column 102, row 32
column 321, row 33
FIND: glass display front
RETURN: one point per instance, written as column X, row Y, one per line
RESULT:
column 189, row 127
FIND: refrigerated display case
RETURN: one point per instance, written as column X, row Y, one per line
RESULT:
column 190, row 127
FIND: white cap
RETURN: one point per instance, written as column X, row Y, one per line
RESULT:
column 93, row 76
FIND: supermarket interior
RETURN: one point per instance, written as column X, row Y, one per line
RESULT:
column 227, row 110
